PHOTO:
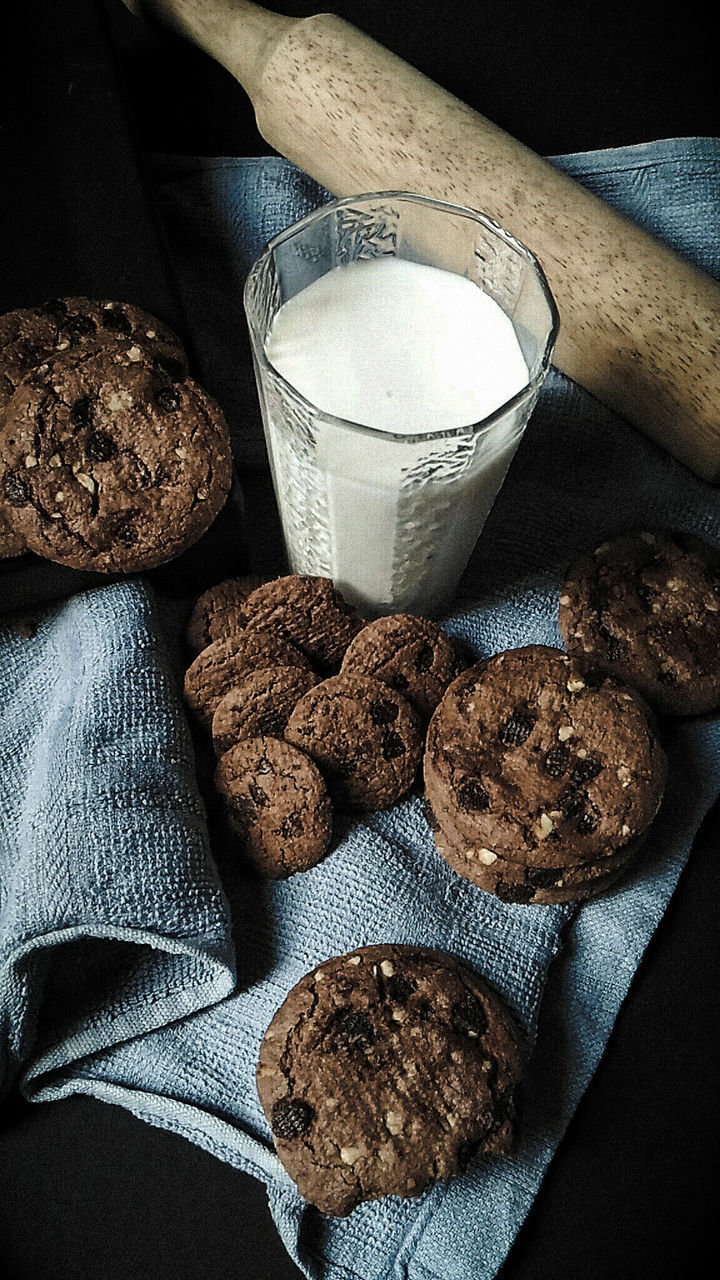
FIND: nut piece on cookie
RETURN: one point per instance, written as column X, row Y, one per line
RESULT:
column 307, row 610
column 645, row 607
column 259, row 705
column 365, row 737
column 278, row 805
column 217, row 669
column 413, row 655
column 536, row 766
column 384, row 1071
column 216, row 613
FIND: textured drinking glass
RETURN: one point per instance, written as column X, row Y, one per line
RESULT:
column 392, row 518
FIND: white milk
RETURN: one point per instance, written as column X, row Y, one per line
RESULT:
column 407, row 349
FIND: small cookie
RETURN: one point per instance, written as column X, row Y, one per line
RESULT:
column 645, row 607
column 259, row 705
column 540, row 761
column 219, row 667
column 385, row 1071
column 108, row 463
column 364, row 736
column 216, row 613
column 31, row 335
column 278, row 803
column 307, row 610
column 413, row 655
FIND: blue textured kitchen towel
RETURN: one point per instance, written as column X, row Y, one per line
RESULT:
column 117, row 973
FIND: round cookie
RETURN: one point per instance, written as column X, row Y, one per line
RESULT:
column 540, row 761
column 108, row 463
column 219, row 667
column 259, row 705
column 645, row 607
column 216, row 613
column 364, row 736
column 384, row 1071
column 31, row 335
column 413, row 655
column 278, row 803
column 307, row 610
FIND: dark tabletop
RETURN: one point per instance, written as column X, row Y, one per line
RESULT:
column 86, row 1190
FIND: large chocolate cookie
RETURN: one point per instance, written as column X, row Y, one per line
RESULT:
column 413, row 655
column 542, row 762
column 259, row 704
column 645, row 607
column 278, row 804
column 385, row 1071
column 364, row 736
column 216, row 613
column 31, row 335
column 110, row 464
column 307, row 610
column 219, row 667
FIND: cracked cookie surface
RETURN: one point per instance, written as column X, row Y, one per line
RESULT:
column 307, row 610
column 259, row 704
column 645, row 607
column 278, row 803
column 109, row 463
column 384, row 1071
column 410, row 654
column 540, row 761
column 365, row 737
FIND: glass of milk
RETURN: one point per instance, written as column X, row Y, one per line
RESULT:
column 399, row 344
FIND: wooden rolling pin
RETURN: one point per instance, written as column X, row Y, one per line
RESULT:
column 640, row 326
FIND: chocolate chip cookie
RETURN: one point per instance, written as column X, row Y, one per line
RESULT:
column 259, row 705
column 307, row 610
column 278, row 804
column 216, row 613
column 413, row 655
column 541, row 761
column 645, row 607
column 365, row 737
column 219, row 667
column 109, row 463
column 385, row 1071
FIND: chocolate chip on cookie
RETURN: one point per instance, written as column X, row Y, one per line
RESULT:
column 307, row 610
column 278, row 804
column 533, row 760
column 259, row 704
column 645, row 607
column 218, row 668
column 413, row 655
column 384, row 1071
column 99, row 472
column 365, row 737
column 216, row 613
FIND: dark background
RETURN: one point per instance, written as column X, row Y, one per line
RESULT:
column 86, row 1190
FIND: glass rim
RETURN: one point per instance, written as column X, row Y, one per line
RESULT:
column 476, row 428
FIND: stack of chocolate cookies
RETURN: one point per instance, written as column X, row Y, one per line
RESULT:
column 111, row 457
column 310, row 709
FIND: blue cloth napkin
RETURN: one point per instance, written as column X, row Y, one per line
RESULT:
column 117, row 975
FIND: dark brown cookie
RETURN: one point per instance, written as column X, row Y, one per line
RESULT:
column 308, row 611
column 385, row 1071
column 216, row 613
column 278, row 804
column 109, row 464
column 31, row 335
column 521, row 883
column 219, row 667
column 364, row 736
column 11, row 544
column 645, row 607
column 259, row 705
column 413, row 655
column 542, row 762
